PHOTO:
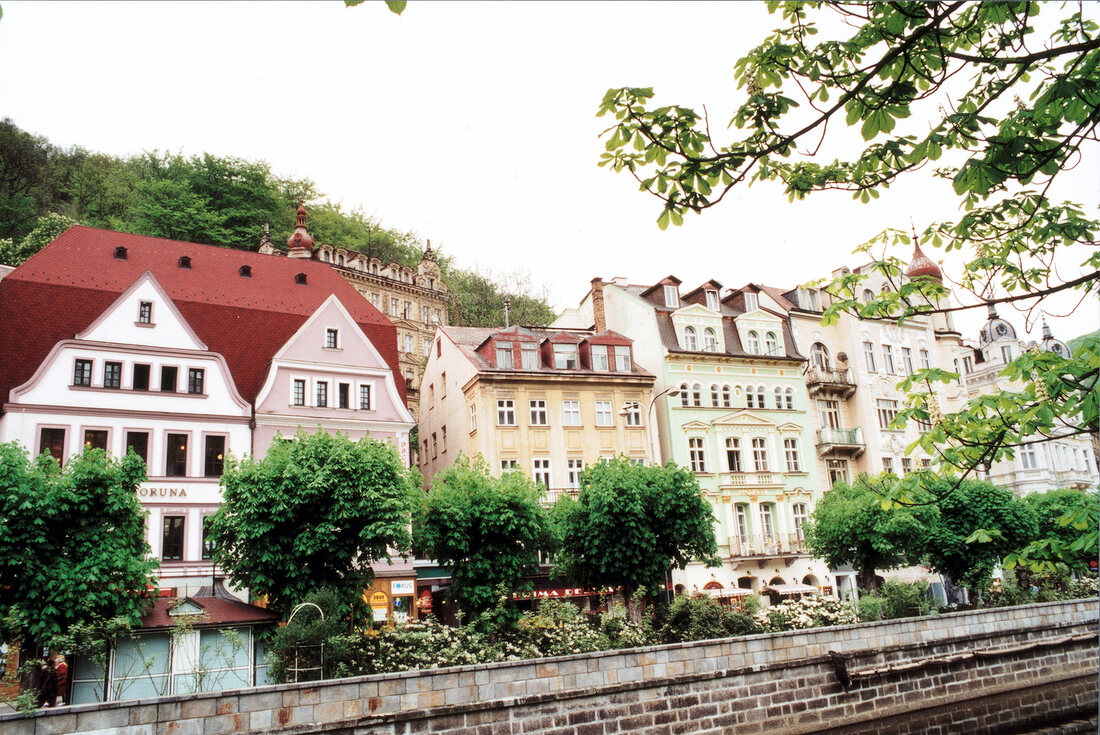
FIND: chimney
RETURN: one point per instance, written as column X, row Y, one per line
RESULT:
column 598, row 314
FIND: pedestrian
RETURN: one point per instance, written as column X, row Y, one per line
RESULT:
column 47, row 683
column 62, row 670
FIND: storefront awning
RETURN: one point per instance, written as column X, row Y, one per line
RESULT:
column 791, row 589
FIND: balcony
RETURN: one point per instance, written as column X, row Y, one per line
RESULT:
column 751, row 479
column 830, row 381
column 840, row 441
column 551, row 496
column 764, row 546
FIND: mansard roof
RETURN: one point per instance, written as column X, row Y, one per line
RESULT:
column 472, row 342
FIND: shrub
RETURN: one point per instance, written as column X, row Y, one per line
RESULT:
column 808, row 611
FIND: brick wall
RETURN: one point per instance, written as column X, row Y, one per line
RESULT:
column 1006, row 670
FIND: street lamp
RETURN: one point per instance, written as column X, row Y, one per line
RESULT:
column 631, row 406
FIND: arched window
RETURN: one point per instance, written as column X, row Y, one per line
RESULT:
column 750, row 397
column 754, row 343
column 760, row 392
column 339, row 260
column 695, row 452
column 819, row 355
column 714, row 395
column 710, row 340
column 697, row 395
column 779, row 397
column 727, row 397
column 324, row 255
column 790, row 399
column 690, row 342
column 684, row 400
column 772, row 343
column 868, row 295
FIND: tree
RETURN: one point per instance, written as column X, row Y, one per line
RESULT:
column 1000, row 99
column 487, row 531
column 72, row 543
column 953, row 549
column 45, row 230
column 1067, row 524
column 630, row 523
column 477, row 299
column 24, row 179
column 850, row 526
column 317, row 511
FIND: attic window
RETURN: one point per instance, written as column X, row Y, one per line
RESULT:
column 245, row 271
column 300, row 279
column 750, row 302
column 120, row 253
column 185, row 262
column 672, row 297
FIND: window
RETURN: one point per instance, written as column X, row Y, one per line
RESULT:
column 794, row 460
column 145, row 312
column 754, row 343
column 869, row 356
column 727, row 396
column 425, row 315
column 409, row 343
column 771, row 343
column 685, row 400
column 443, row 437
column 868, row 295
column 185, row 262
column 112, row 375
column 209, row 543
column 431, row 395
column 788, row 402
column 82, row 373
column 760, row 454
column 506, row 412
column 52, row 442
column 603, row 414
column 141, row 377
column 887, row 411
column 672, row 297
column 298, row 393
column 751, row 303
column 697, row 395
column 634, row 414
column 214, row 462
column 1006, row 354
column 574, row 469
column 407, row 311
column 529, row 355
column 139, row 442
column 742, row 521
column 714, row 396
column 364, row 398
column 1029, row 460
column 439, row 348
column 829, row 411
column 907, row 360
column 695, row 451
column 690, row 342
column 778, row 397
column 435, row 445
column 508, row 465
column 322, row 394
column 888, row 464
column 925, row 363
column 622, row 359
column 750, row 397
column 374, row 300
column 343, row 395
column 760, row 397
column 245, row 271
column 906, row 465
column 838, row 471
column 540, row 471
column 565, row 357
column 394, row 306
column 436, row 316
column 712, row 299
column 427, row 345
column 538, row 413
column 968, row 364
column 168, row 378
column 195, row 380
column 571, row 413
column 819, row 355
column 332, row 337
column 799, row 514
column 171, row 548
column 95, row 439
column 599, row 357
column 888, row 359
column 175, row 460
column 767, row 522
column 733, row 454
column 710, row 340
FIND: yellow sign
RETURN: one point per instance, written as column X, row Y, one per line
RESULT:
column 379, row 598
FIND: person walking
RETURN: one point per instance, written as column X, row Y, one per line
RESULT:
column 47, row 683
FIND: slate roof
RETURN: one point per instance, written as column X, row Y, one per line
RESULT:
column 59, row 291
column 215, row 611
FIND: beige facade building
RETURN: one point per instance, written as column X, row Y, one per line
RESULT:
column 545, row 402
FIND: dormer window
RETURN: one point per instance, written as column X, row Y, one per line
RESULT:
column 771, row 343
column 185, row 262
column 120, row 253
column 622, row 359
column 332, row 338
column 529, row 354
column 145, row 312
column 712, row 299
column 599, row 358
column 672, row 297
column 565, row 357
column 300, row 279
column 245, row 271
column 751, row 303
column 504, row 355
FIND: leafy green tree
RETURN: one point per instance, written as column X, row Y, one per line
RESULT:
column 850, row 526
column 167, row 208
column 630, row 523
column 72, row 543
column 45, row 229
column 24, row 179
column 1067, row 520
column 487, row 531
column 999, row 97
column 317, row 511
column 957, row 544
column 477, row 300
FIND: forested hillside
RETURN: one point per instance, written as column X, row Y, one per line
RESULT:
column 217, row 201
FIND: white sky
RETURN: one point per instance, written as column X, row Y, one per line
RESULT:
column 472, row 124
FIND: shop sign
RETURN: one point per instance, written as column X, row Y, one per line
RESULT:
column 562, row 592
column 380, row 614
column 379, row 598
column 403, row 587
column 426, row 600
column 162, row 492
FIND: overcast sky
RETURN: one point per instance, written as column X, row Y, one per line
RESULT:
column 472, row 124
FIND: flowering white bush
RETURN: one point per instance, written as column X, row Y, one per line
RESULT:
column 808, row 611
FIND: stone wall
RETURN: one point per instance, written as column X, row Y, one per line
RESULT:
column 1005, row 670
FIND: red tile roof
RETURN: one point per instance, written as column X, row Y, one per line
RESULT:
column 216, row 611
column 59, row 292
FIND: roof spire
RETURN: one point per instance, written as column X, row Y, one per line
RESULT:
column 300, row 243
column 1046, row 330
column 428, row 254
column 921, row 264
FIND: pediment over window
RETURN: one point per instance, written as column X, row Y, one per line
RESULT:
column 743, row 418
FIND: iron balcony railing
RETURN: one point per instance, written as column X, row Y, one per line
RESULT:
column 831, row 439
column 835, row 380
column 767, row 545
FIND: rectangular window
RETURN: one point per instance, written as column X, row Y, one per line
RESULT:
column 195, row 380
column 571, row 413
column 529, row 356
column 1029, row 460
column 760, row 454
column 437, row 316
column 426, row 317
column 374, row 300
column 168, row 378
column 175, row 456
column 888, row 464
column 622, row 359
column 538, row 413
column 473, row 417
column 504, row 355
column 838, row 471
column 443, row 437
column 672, row 297
column 508, row 465
column 331, row 337
column 906, row 465
column 322, row 394
column 409, row 343
column 794, row 460
column 141, row 377
column 112, row 375
column 733, row 454
column 95, row 439
column 869, row 356
column 364, row 398
column 443, row 384
column 599, row 357
column 427, row 345
column 407, row 311
column 145, row 312
column 751, row 303
column 209, row 545
column 575, row 467
column 907, row 360
column 214, row 463
column 887, row 411
column 565, row 357
column 925, row 363
column 829, row 410
column 139, row 442
column 540, row 471
column 435, row 445
column 1006, row 354
column 298, row 396
column 603, row 414
column 171, row 548
column 712, row 299
column 52, row 442
column 634, row 414
column 343, row 395
column 506, row 412
column 696, row 454
column 968, row 365
column 395, row 305
column 888, row 359
column 82, row 373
